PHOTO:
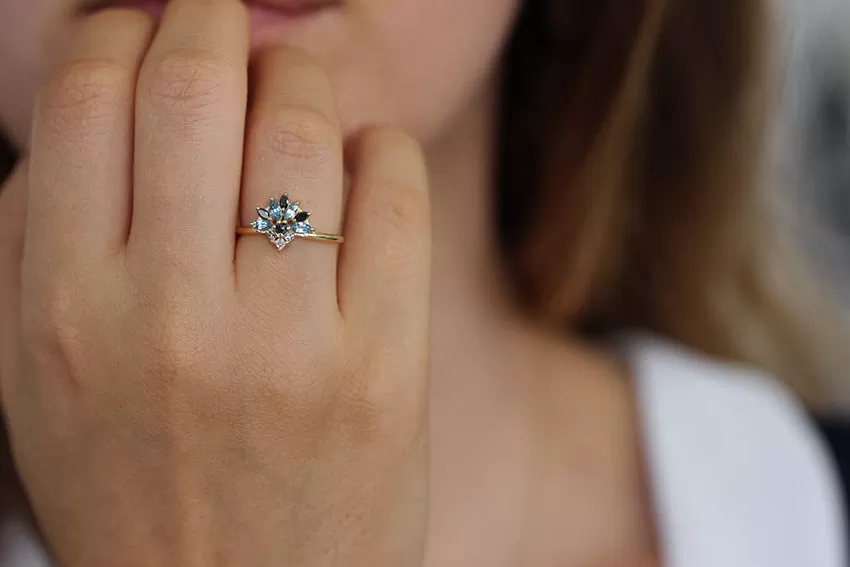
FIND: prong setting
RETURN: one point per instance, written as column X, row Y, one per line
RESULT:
column 283, row 222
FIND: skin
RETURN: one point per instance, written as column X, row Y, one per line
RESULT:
column 418, row 417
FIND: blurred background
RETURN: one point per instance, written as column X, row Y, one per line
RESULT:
column 812, row 149
column 812, row 159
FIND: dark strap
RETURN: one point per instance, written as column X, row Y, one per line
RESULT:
column 836, row 431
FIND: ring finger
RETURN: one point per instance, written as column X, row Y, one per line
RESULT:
column 294, row 147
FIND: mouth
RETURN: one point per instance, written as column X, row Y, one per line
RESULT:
column 270, row 19
column 290, row 8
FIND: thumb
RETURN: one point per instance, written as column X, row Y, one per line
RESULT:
column 13, row 207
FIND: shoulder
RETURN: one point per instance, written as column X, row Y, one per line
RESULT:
column 740, row 475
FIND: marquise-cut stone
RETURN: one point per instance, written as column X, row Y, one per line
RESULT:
column 302, row 216
column 261, row 225
column 302, row 228
column 264, row 214
column 275, row 210
column 291, row 211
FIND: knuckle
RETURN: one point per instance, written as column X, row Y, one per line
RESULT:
column 51, row 331
column 188, row 82
column 365, row 422
column 49, row 313
column 300, row 133
column 398, row 207
column 380, row 411
column 86, row 93
column 172, row 362
column 381, row 401
column 172, row 346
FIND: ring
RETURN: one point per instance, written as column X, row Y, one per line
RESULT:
column 282, row 222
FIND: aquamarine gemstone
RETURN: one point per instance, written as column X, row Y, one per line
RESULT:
column 274, row 210
column 291, row 211
column 261, row 225
column 302, row 228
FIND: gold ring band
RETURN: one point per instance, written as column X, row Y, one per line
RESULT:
column 317, row 236
column 283, row 222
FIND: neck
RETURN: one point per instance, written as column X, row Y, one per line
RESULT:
column 469, row 296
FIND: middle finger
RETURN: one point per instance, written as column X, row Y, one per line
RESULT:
column 191, row 105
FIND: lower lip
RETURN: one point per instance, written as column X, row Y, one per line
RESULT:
column 267, row 24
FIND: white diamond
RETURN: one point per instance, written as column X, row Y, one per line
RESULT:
column 281, row 243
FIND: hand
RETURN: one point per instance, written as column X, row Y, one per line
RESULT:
column 186, row 398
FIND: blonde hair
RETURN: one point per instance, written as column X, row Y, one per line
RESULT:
column 632, row 149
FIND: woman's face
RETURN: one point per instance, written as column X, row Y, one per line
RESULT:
column 416, row 64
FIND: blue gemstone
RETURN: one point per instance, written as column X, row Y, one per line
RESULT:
column 291, row 211
column 302, row 228
column 261, row 225
column 264, row 214
column 274, row 210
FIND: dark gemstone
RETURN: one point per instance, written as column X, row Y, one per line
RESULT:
column 302, row 216
column 280, row 228
column 284, row 201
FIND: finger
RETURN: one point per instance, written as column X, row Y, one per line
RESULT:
column 384, row 272
column 294, row 147
column 82, row 142
column 13, row 208
column 189, row 135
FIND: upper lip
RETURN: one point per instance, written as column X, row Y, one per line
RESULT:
column 286, row 6
column 293, row 5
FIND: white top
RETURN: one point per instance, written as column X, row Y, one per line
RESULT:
column 739, row 475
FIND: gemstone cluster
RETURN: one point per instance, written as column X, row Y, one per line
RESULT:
column 282, row 222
